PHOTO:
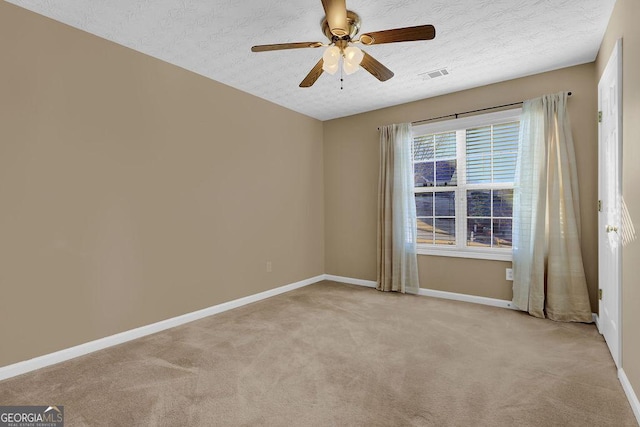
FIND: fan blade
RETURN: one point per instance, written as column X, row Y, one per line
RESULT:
column 313, row 75
column 282, row 46
column 421, row 32
column 378, row 70
column 336, row 12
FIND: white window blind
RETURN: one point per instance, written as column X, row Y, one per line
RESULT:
column 491, row 153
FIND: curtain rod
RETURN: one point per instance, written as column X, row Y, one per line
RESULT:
column 455, row 115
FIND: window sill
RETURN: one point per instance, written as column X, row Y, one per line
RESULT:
column 457, row 253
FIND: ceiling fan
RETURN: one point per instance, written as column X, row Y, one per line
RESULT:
column 341, row 26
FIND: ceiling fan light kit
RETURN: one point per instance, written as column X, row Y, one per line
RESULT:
column 341, row 26
column 351, row 58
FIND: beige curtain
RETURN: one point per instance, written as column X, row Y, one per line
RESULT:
column 548, row 271
column 397, row 261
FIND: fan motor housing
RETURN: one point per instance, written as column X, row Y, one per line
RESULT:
column 353, row 21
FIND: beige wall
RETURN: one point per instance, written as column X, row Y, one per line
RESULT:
column 133, row 190
column 624, row 24
column 351, row 177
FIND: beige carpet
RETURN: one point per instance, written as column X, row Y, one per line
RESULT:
column 338, row 355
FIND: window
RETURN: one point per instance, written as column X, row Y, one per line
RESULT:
column 463, row 172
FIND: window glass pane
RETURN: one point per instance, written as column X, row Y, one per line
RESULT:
column 504, row 167
column 478, row 232
column 502, row 233
column 505, row 137
column 479, row 203
column 423, row 148
column 479, row 169
column 435, row 161
column 445, row 203
column 479, row 141
column 424, row 174
column 491, row 153
column 445, row 231
column 446, row 173
column 503, row 203
column 445, row 144
column 424, row 204
column 425, row 230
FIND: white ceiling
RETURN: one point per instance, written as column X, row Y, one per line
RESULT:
column 478, row 41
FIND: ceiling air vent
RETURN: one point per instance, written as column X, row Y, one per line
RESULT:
column 434, row 73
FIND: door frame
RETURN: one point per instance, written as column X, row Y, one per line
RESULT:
column 615, row 60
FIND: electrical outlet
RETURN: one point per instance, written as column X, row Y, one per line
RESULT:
column 510, row 274
column 269, row 267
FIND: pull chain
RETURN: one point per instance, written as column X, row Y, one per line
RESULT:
column 341, row 79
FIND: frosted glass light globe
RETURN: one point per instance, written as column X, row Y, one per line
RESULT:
column 331, row 59
column 352, row 59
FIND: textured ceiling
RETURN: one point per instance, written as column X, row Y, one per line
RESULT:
column 478, row 41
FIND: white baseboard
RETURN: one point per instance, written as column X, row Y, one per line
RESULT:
column 102, row 343
column 467, row 298
column 431, row 293
column 631, row 395
column 596, row 320
column 350, row 281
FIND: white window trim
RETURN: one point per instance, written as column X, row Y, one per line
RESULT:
column 467, row 122
column 461, row 199
column 490, row 254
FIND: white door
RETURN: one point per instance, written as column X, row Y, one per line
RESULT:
column 609, row 195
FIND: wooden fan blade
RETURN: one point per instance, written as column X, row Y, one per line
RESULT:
column 378, row 70
column 336, row 12
column 313, row 75
column 421, row 32
column 282, row 46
